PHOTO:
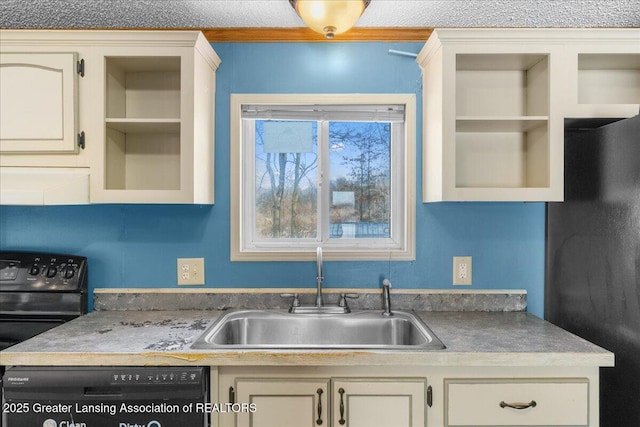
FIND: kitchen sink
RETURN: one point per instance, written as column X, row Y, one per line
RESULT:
column 279, row 329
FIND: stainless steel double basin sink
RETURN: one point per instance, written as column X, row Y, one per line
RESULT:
column 281, row 330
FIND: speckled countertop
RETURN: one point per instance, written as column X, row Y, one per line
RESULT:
column 164, row 337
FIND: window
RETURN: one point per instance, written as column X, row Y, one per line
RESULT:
column 336, row 171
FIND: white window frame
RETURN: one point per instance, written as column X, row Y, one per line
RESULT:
column 242, row 188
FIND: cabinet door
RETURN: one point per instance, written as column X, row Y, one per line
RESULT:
column 38, row 108
column 283, row 402
column 378, row 402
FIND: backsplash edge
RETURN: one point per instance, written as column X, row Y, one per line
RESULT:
column 368, row 299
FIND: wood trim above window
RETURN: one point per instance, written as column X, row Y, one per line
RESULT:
column 304, row 34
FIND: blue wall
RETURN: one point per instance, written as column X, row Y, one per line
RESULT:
column 137, row 245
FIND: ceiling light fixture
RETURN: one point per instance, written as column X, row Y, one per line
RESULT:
column 330, row 17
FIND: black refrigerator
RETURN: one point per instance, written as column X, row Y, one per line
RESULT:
column 592, row 283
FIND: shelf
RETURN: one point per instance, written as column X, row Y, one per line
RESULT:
column 497, row 61
column 141, row 64
column 502, row 85
column 608, row 78
column 502, row 121
column 609, row 61
column 143, row 88
column 142, row 161
column 500, row 124
column 502, row 159
column 144, row 125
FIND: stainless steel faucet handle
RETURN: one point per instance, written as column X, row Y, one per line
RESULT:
column 343, row 300
column 295, row 302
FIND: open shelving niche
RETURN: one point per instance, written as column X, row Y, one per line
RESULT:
column 502, row 121
column 608, row 78
column 142, row 123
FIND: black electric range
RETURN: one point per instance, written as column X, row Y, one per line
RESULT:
column 38, row 292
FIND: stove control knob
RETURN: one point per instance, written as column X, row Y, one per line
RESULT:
column 34, row 270
column 68, row 272
column 52, row 271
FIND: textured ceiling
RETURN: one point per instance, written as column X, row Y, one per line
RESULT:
column 278, row 13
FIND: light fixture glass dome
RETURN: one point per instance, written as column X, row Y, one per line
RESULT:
column 330, row 17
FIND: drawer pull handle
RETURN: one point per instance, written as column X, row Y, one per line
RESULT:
column 319, row 420
column 341, row 421
column 531, row 404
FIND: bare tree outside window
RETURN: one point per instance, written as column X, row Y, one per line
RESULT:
column 360, row 166
column 359, row 182
column 286, row 189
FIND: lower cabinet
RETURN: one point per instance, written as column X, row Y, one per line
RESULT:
column 407, row 396
column 516, row 402
column 349, row 402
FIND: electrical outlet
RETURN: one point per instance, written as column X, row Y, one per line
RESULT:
column 461, row 270
column 190, row 271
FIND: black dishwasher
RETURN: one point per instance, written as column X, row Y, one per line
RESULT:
column 105, row 396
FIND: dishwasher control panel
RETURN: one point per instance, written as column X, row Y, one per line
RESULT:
column 149, row 376
column 29, row 271
column 127, row 377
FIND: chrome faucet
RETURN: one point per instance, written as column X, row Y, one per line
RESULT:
column 319, row 307
column 319, row 277
column 386, row 294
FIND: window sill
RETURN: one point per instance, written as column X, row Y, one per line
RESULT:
column 328, row 255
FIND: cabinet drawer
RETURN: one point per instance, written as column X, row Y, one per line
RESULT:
column 536, row 402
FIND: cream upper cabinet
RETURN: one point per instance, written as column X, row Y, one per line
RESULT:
column 156, row 117
column 38, row 105
column 146, row 111
column 492, row 129
column 495, row 102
